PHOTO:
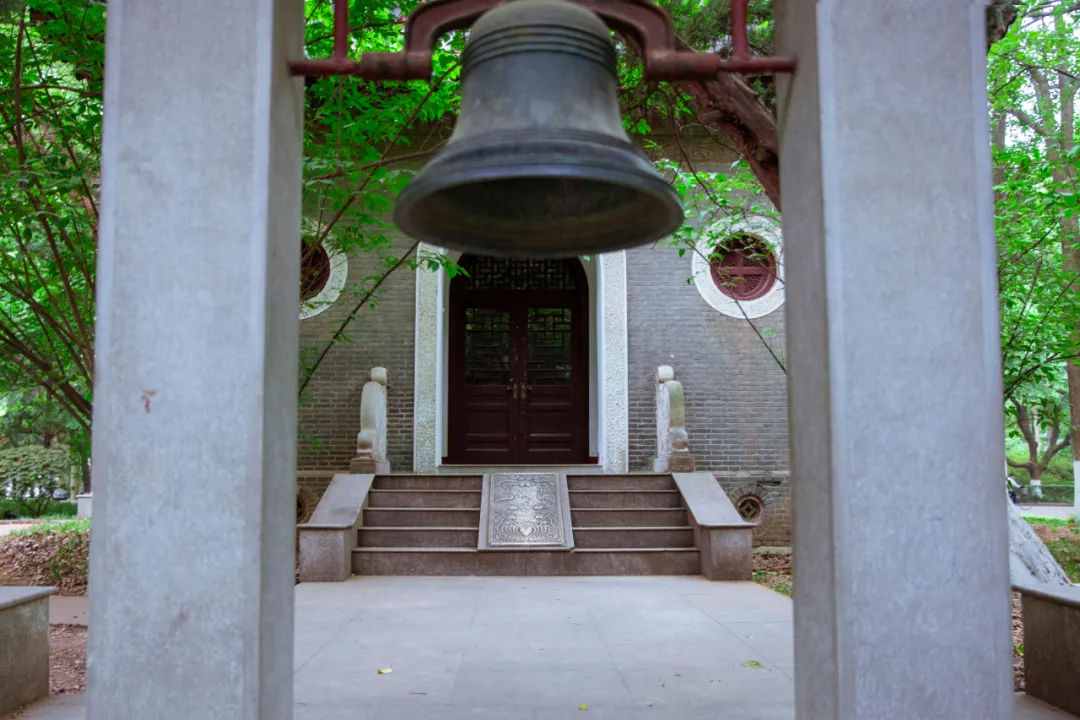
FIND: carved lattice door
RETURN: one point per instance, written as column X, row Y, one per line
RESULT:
column 518, row 363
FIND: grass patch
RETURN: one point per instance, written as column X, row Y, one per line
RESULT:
column 61, row 527
column 1062, row 538
column 1066, row 550
column 1049, row 522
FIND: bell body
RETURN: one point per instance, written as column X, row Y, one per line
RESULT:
column 539, row 164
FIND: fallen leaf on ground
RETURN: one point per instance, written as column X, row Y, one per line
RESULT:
column 583, row 707
column 753, row 664
column 386, row 671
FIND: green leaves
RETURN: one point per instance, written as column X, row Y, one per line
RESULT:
column 1033, row 86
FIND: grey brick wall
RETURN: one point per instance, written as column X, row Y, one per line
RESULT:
column 736, row 394
column 379, row 336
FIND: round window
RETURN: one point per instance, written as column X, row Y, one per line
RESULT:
column 744, row 268
column 314, row 270
column 323, row 272
column 750, row 508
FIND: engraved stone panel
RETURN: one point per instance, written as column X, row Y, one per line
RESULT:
column 525, row 511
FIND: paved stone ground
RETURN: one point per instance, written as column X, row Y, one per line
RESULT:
column 6, row 528
column 538, row 649
column 68, row 610
column 1048, row 511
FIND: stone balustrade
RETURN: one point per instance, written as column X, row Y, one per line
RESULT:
column 672, row 442
column 371, row 441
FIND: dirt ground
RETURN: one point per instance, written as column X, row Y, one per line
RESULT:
column 67, row 659
column 773, row 570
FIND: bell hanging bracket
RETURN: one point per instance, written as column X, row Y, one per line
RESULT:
column 647, row 24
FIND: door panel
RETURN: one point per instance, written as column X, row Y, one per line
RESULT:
column 548, row 426
column 489, row 411
column 519, row 363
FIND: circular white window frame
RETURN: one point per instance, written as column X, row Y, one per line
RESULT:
column 765, row 230
column 339, row 273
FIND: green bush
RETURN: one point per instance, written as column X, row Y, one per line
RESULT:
column 15, row 510
column 29, row 474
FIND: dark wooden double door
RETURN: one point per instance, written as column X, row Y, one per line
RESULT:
column 519, row 363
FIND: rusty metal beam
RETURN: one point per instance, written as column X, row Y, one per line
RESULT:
column 649, row 25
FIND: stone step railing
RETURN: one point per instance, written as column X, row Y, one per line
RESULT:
column 672, row 442
column 371, row 441
column 1051, row 616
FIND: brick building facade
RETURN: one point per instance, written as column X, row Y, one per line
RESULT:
column 647, row 307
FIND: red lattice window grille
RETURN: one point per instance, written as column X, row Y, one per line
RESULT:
column 314, row 270
column 744, row 268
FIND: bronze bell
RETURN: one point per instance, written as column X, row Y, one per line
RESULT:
column 539, row 164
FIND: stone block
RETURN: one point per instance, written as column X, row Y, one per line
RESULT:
column 368, row 466
column 326, row 552
column 726, row 552
column 1052, row 644
column 85, row 505
column 725, row 540
column 24, row 646
column 326, row 543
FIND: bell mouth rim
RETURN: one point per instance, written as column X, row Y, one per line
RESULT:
column 654, row 189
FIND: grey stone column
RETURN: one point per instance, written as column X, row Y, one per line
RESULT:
column 191, row 571
column 901, row 559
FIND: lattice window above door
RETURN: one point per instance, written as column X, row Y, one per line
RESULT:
column 501, row 274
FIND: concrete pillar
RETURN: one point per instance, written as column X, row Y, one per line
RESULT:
column 901, row 559
column 613, row 435
column 191, row 590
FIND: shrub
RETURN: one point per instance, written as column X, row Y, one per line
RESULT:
column 15, row 510
column 29, row 475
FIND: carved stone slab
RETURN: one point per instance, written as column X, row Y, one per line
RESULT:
column 525, row 511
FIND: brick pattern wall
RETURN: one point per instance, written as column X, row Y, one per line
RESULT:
column 736, row 394
column 379, row 336
column 775, row 494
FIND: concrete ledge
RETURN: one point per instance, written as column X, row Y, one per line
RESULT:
column 1052, row 644
column 725, row 540
column 24, row 645
column 326, row 543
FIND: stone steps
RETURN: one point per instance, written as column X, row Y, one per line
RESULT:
column 628, row 517
column 611, row 499
column 428, row 482
column 462, row 561
column 631, row 524
column 422, row 517
column 420, row 537
column 634, row 537
column 424, row 499
column 621, row 483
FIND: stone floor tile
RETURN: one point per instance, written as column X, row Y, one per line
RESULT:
column 548, row 687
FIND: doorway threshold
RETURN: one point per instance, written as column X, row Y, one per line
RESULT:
column 583, row 469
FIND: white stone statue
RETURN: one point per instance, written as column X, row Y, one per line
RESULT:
column 371, row 441
column 672, row 442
